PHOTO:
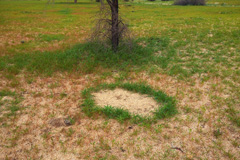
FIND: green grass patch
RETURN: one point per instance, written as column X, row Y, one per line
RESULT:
column 6, row 93
column 83, row 58
column 10, row 105
column 167, row 105
column 51, row 37
column 233, row 115
column 65, row 11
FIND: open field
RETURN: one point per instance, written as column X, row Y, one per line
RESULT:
column 191, row 53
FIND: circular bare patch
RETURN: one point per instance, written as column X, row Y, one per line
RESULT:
column 133, row 102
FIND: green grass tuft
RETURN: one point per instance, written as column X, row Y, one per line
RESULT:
column 116, row 113
column 6, row 93
column 11, row 105
column 51, row 37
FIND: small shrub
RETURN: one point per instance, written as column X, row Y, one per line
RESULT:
column 189, row 2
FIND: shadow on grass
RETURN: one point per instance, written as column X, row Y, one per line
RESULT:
column 76, row 3
column 84, row 58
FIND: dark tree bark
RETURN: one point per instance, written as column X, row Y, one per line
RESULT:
column 115, row 23
column 75, row 1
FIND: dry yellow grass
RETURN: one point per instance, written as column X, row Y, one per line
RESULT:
column 30, row 134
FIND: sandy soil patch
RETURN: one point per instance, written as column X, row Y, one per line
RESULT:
column 133, row 102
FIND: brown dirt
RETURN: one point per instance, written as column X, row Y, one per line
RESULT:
column 133, row 102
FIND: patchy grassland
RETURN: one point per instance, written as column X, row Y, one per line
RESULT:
column 192, row 53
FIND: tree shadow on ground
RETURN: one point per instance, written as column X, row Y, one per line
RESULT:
column 78, row 3
column 86, row 57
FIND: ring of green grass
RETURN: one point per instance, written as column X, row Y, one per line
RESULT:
column 167, row 104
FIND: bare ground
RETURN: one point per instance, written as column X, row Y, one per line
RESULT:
column 133, row 102
column 188, row 135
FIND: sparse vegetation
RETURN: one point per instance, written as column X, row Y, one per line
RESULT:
column 217, row 133
column 10, row 102
column 187, row 52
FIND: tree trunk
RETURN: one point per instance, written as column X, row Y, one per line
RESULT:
column 75, row 1
column 115, row 29
column 115, row 34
